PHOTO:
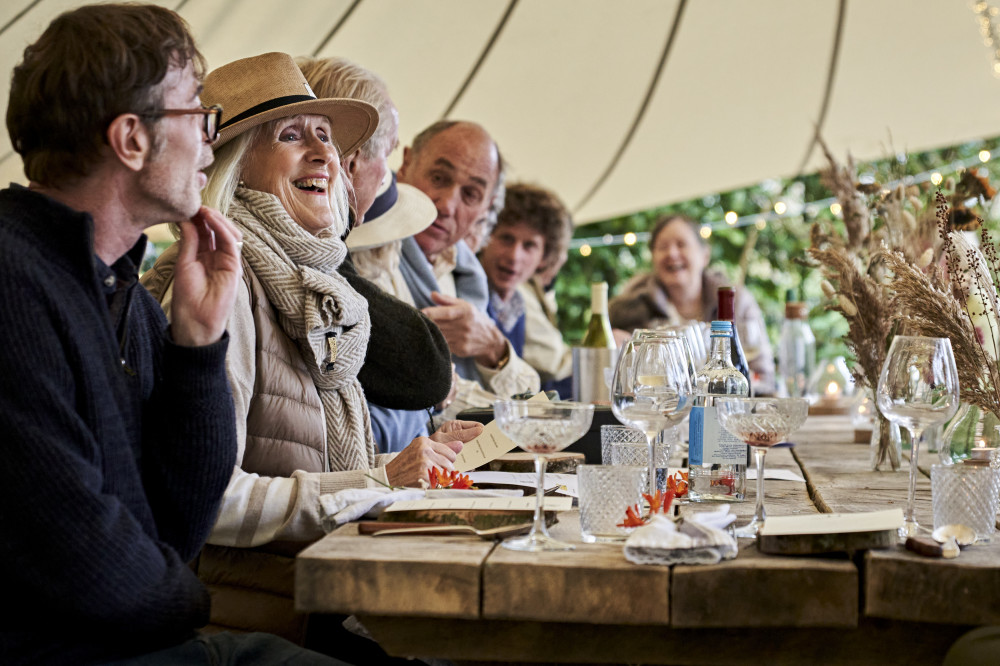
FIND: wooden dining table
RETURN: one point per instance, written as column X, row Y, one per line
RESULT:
column 468, row 599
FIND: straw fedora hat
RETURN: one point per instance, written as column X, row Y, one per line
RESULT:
column 399, row 211
column 254, row 90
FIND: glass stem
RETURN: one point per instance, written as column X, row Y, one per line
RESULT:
column 538, row 528
column 651, row 478
column 758, row 454
column 915, row 435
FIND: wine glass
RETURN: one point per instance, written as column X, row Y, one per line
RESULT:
column 917, row 389
column 540, row 427
column 761, row 423
column 652, row 389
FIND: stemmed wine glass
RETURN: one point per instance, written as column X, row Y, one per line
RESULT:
column 652, row 389
column 541, row 427
column 917, row 389
column 761, row 423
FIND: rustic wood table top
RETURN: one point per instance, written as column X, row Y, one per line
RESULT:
column 465, row 598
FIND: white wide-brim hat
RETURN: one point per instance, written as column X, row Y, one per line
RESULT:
column 399, row 211
column 253, row 91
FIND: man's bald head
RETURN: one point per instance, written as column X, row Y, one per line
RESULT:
column 458, row 165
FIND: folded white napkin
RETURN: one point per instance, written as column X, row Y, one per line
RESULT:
column 350, row 504
column 698, row 539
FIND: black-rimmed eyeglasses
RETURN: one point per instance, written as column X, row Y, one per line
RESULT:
column 212, row 114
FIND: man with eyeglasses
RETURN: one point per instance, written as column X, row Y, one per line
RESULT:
column 118, row 432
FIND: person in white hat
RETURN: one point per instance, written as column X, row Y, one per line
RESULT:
column 398, row 396
column 299, row 331
column 399, row 211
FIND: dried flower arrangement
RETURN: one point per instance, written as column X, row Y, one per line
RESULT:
column 959, row 303
column 884, row 275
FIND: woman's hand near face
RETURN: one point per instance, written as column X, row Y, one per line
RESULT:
column 411, row 465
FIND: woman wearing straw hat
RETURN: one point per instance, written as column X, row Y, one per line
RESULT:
column 299, row 331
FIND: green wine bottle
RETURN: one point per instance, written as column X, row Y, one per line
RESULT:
column 599, row 329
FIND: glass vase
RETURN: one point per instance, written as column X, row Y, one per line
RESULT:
column 886, row 446
column 960, row 434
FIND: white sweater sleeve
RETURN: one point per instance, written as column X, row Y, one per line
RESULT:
column 258, row 509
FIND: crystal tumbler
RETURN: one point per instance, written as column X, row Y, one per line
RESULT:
column 637, row 453
column 606, row 491
column 966, row 494
column 617, row 434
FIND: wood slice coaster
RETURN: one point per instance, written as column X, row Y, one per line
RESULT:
column 563, row 462
column 812, row 544
column 826, row 408
column 478, row 518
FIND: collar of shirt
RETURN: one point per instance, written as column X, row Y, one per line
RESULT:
column 443, row 267
column 118, row 279
column 508, row 312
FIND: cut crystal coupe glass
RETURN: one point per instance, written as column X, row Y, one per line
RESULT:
column 761, row 423
column 540, row 427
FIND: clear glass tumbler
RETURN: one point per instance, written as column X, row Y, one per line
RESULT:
column 606, row 491
column 619, row 434
column 966, row 494
column 637, row 454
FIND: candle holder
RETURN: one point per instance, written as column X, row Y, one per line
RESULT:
column 834, row 387
column 863, row 413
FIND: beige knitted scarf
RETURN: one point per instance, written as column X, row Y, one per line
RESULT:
column 319, row 310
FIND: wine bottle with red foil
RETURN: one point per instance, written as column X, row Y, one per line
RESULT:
column 717, row 459
column 727, row 312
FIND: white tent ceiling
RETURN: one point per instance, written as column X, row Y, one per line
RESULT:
column 625, row 105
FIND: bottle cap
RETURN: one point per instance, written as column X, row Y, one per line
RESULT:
column 792, row 295
column 722, row 327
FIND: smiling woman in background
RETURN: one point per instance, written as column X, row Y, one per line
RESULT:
column 680, row 288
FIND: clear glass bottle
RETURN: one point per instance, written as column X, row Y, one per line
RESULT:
column 717, row 459
column 796, row 349
column 599, row 328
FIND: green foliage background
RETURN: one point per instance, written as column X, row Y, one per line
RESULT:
column 776, row 263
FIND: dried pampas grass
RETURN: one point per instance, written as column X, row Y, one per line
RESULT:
column 934, row 311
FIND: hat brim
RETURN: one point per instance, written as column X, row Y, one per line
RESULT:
column 412, row 213
column 352, row 121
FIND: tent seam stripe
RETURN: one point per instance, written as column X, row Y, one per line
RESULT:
column 17, row 17
column 643, row 107
column 336, row 27
column 838, row 38
column 482, row 58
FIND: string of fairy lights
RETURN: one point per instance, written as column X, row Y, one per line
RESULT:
column 781, row 209
column 989, row 26
column 990, row 30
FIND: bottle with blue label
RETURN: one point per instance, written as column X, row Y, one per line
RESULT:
column 716, row 458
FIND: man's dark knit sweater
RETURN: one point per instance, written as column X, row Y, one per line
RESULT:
column 117, row 447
